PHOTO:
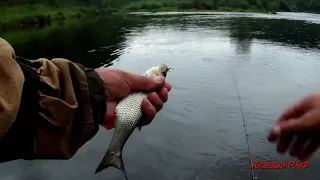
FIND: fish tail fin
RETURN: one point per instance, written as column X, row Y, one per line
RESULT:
column 112, row 160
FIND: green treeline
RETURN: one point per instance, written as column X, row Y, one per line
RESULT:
column 41, row 12
column 256, row 5
column 224, row 5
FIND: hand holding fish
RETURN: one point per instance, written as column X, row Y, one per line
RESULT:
column 301, row 121
column 136, row 103
column 119, row 84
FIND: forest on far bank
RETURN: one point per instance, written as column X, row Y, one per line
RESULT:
column 163, row 5
column 35, row 13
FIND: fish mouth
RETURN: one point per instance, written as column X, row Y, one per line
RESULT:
column 168, row 70
column 164, row 74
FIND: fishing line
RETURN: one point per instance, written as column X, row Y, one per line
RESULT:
column 253, row 173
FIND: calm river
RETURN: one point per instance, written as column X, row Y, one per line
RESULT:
column 199, row 135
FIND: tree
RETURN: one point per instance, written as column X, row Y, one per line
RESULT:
column 252, row 2
column 214, row 4
column 196, row 4
column 315, row 6
column 273, row 6
column 293, row 8
column 270, row 5
column 244, row 4
column 53, row 3
column 259, row 4
column 283, row 6
column 265, row 4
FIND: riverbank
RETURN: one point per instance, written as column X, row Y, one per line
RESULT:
column 30, row 16
column 41, row 15
column 174, row 9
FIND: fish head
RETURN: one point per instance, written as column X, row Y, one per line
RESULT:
column 163, row 69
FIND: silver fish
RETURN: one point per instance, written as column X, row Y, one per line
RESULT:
column 128, row 117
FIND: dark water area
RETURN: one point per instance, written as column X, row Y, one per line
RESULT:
column 199, row 135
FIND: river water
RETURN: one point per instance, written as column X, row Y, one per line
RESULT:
column 269, row 60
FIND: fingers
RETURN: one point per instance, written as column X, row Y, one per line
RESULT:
column 287, row 119
column 301, row 120
column 292, row 125
column 163, row 94
column 154, row 104
column 149, row 111
column 307, row 123
column 309, row 149
column 304, row 128
column 108, row 122
column 272, row 137
column 155, row 101
column 111, row 105
column 167, row 86
column 143, row 83
column 284, row 142
column 298, row 145
column 304, row 145
column 293, row 111
column 283, row 130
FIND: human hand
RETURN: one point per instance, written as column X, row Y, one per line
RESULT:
column 300, row 121
column 119, row 84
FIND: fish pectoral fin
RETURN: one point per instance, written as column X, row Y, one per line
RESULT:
column 113, row 160
column 140, row 123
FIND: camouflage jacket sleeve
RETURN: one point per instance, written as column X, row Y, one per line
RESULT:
column 48, row 108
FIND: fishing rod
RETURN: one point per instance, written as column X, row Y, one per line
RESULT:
column 253, row 173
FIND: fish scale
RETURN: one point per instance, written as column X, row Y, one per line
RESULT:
column 128, row 116
column 129, row 113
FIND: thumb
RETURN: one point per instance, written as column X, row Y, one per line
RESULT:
column 144, row 83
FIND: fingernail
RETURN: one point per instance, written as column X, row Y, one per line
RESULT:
column 158, row 79
column 276, row 130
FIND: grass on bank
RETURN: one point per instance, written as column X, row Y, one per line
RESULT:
column 18, row 36
column 31, row 15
